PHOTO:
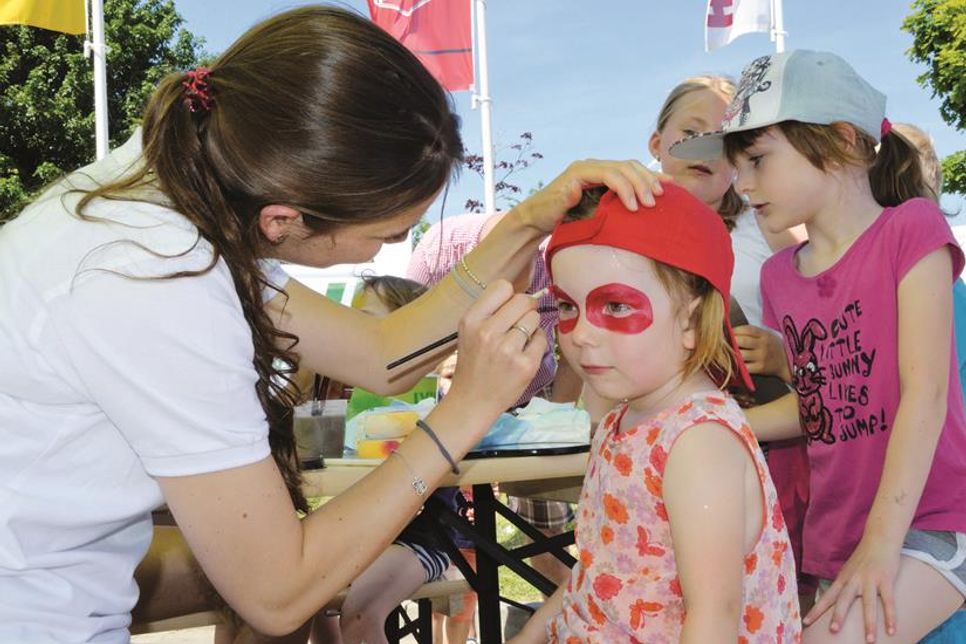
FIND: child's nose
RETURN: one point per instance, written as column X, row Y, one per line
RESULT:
column 584, row 333
column 743, row 182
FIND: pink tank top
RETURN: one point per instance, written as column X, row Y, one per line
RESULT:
column 625, row 587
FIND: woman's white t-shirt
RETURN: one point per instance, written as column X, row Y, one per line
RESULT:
column 105, row 383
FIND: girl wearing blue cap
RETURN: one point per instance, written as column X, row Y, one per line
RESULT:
column 865, row 309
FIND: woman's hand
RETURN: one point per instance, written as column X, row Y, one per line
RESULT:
column 500, row 349
column 633, row 182
column 869, row 574
column 762, row 351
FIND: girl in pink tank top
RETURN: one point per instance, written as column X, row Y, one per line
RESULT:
column 679, row 531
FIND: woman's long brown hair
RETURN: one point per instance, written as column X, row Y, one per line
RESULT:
column 317, row 109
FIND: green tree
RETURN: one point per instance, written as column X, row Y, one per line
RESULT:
column 938, row 28
column 47, row 91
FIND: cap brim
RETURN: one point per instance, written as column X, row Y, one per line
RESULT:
column 699, row 147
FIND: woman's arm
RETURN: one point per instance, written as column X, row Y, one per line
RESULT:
column 925, row 328
column 275, row 570
column 535, row 630
column 365, row 346
column 776, row 420
column 705, row 495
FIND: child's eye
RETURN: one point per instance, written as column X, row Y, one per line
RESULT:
column 755, row 160
column 395, row 239
column 617, row 308
column 688, row 131
column 564, row 307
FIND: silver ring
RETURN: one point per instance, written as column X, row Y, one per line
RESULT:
column 522, row 329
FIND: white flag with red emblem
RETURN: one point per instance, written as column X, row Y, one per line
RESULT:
column 728, row 19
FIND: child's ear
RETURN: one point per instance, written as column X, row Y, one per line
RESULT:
column 654, row 145
column 846, row 131
column 689, row 334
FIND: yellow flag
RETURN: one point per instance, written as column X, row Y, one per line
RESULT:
column 57, row 15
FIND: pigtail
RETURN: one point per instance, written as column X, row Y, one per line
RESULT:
column 896, row 173
column 174, row 145
column 177, row 163
column 730, row 207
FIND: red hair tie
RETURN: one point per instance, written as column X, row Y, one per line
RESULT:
column 197, row 90
column 885, row 128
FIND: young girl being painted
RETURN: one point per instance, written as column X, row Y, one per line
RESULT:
column 865, row 308
column 677, row 491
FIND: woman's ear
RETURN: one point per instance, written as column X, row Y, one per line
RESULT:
column 689, row 334
column 654, row 145
column 277, row 221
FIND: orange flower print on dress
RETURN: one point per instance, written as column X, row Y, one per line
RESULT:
column 644, row 546
column 778, row 551
column 607, row 586
column 596, row 613
column 638, row 610
column 751, row 562
column 777, row 518
column 653, row 483
column 753, row 618
column 629, row 589
column 606, row 534
column 615, row 510
column 573, row 640
column 675, row 587
column 623, row 464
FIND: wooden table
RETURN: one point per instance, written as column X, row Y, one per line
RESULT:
column 555, row 477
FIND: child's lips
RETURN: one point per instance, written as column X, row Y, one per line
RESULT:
column 594, row 369
column 760, row 207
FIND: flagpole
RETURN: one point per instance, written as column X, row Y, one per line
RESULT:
column 779, row 31
column 98, row 49
column 482, row 100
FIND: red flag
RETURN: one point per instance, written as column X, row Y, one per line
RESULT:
column 725, row 20
column 439, row 32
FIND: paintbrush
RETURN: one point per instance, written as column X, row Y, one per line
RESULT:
column 443, row 341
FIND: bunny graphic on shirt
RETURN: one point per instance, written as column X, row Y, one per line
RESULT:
column 808, row 379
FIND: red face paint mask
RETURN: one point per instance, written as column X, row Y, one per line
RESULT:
column 566, row 323
column 619, row 308
column 601, row 312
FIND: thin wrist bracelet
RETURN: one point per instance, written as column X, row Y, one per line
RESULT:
column 471, row 274
column 419, row 485
column 442, row 450
column 461, row 282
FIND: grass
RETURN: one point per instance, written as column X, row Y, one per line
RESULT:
column 512, row 585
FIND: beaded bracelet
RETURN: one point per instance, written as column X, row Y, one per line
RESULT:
column 442, row 450
column 460, row 281
column 419, row 485
column 471, row 274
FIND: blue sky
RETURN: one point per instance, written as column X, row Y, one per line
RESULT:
column 587, row 79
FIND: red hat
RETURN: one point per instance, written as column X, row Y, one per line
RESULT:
column 680, row 231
